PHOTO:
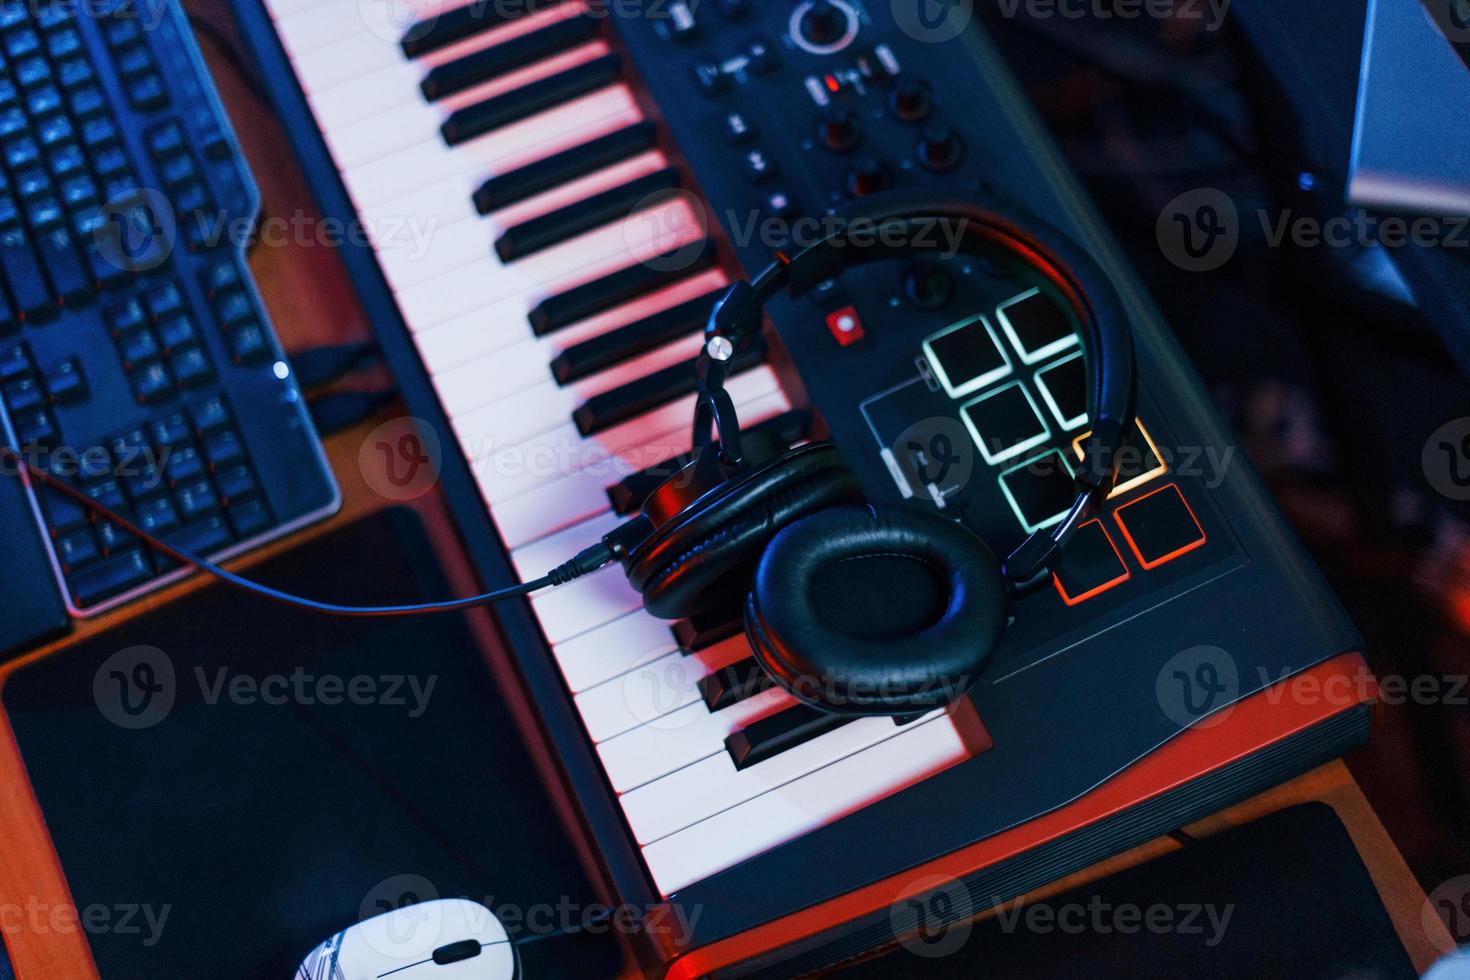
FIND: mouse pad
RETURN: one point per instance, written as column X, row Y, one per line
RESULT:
column 1285, row 896
column 230, row 781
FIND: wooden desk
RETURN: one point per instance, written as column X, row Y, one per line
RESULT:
column 311, row 300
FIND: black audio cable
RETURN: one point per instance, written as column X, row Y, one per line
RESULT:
column 588, row 560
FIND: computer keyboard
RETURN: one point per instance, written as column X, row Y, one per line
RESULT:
column 136, row 359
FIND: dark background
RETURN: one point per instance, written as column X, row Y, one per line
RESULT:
column 1332, row 388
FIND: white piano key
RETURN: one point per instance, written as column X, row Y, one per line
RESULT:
column 428, row 294
column 582, row 494
column 535, row 560
column 393, row 85
column 394, row 174
column 571, row 610
column 669, row 803
column 602, row 654
column 647, row 694
column 803, row 805
column 505, row 470
column 652, row 754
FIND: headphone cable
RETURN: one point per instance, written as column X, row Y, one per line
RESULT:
column 586, row 561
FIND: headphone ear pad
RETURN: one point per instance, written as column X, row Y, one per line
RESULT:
column 704, row 556
column 876, row 610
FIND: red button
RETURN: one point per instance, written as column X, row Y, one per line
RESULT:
column 1160, row 526
column 1091, row 564
column 845, row 325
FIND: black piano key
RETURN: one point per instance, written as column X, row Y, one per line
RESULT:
column 502, row 59
column 602, row 352
column 440, row 30
column 568, row 222
column 538, row 96
column 619, row 287
column 704, row 630
column 733, row 684
column 761, row 740
column 617, row 405
column 564, row 167
column 628, row 494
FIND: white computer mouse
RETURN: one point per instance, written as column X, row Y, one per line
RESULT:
column 445, row 939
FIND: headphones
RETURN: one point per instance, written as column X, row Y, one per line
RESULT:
column 853, row 607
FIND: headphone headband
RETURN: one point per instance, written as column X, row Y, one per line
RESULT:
column 895, row 225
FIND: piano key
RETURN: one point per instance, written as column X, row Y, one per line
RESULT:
column 466, row 337
column 357, row 49
column 487, row 385
column 803, row 805
column 491, row 62
column 443, row 27
column 512, row 186
column 598, row 353
column 505, row 469
column 604, row 653
column 581, row 216
column 712, row 626
column 581, row 494
column 617, row 287
column 733, row 684
column 652, row 752
column 711, row 784
column 503, row 294
column 384, row 172
column 648, row 693
column 624, row 402
column 763, row 739
column 628, row 494
column 396, row 86
column 502, row 110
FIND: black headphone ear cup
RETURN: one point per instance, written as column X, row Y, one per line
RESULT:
column 876, row 610
column 704, row 556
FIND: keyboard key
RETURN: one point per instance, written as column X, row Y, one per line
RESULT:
column 109, row 577
column 152, row 383
column 1090, row 566
column 196, row 499
column 65, row 382
column 764, row 739
column 501, row 59
column 444, row 27
column 1036, row 326
column 77, row 549
column 624, row 343
column 201, row 537
column 581, row 216
column 538, row 96
column 733, row 684
column 249, row 517
column 967, row 356
column 708, row 628
column 1160, row 526
column 561, row 168
column 625, row 402
column 1004, row 422
column 616, row 288
column 158, row 515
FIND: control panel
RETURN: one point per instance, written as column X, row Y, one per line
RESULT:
column 955, row 383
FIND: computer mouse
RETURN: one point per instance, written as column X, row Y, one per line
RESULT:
column 445, row 939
